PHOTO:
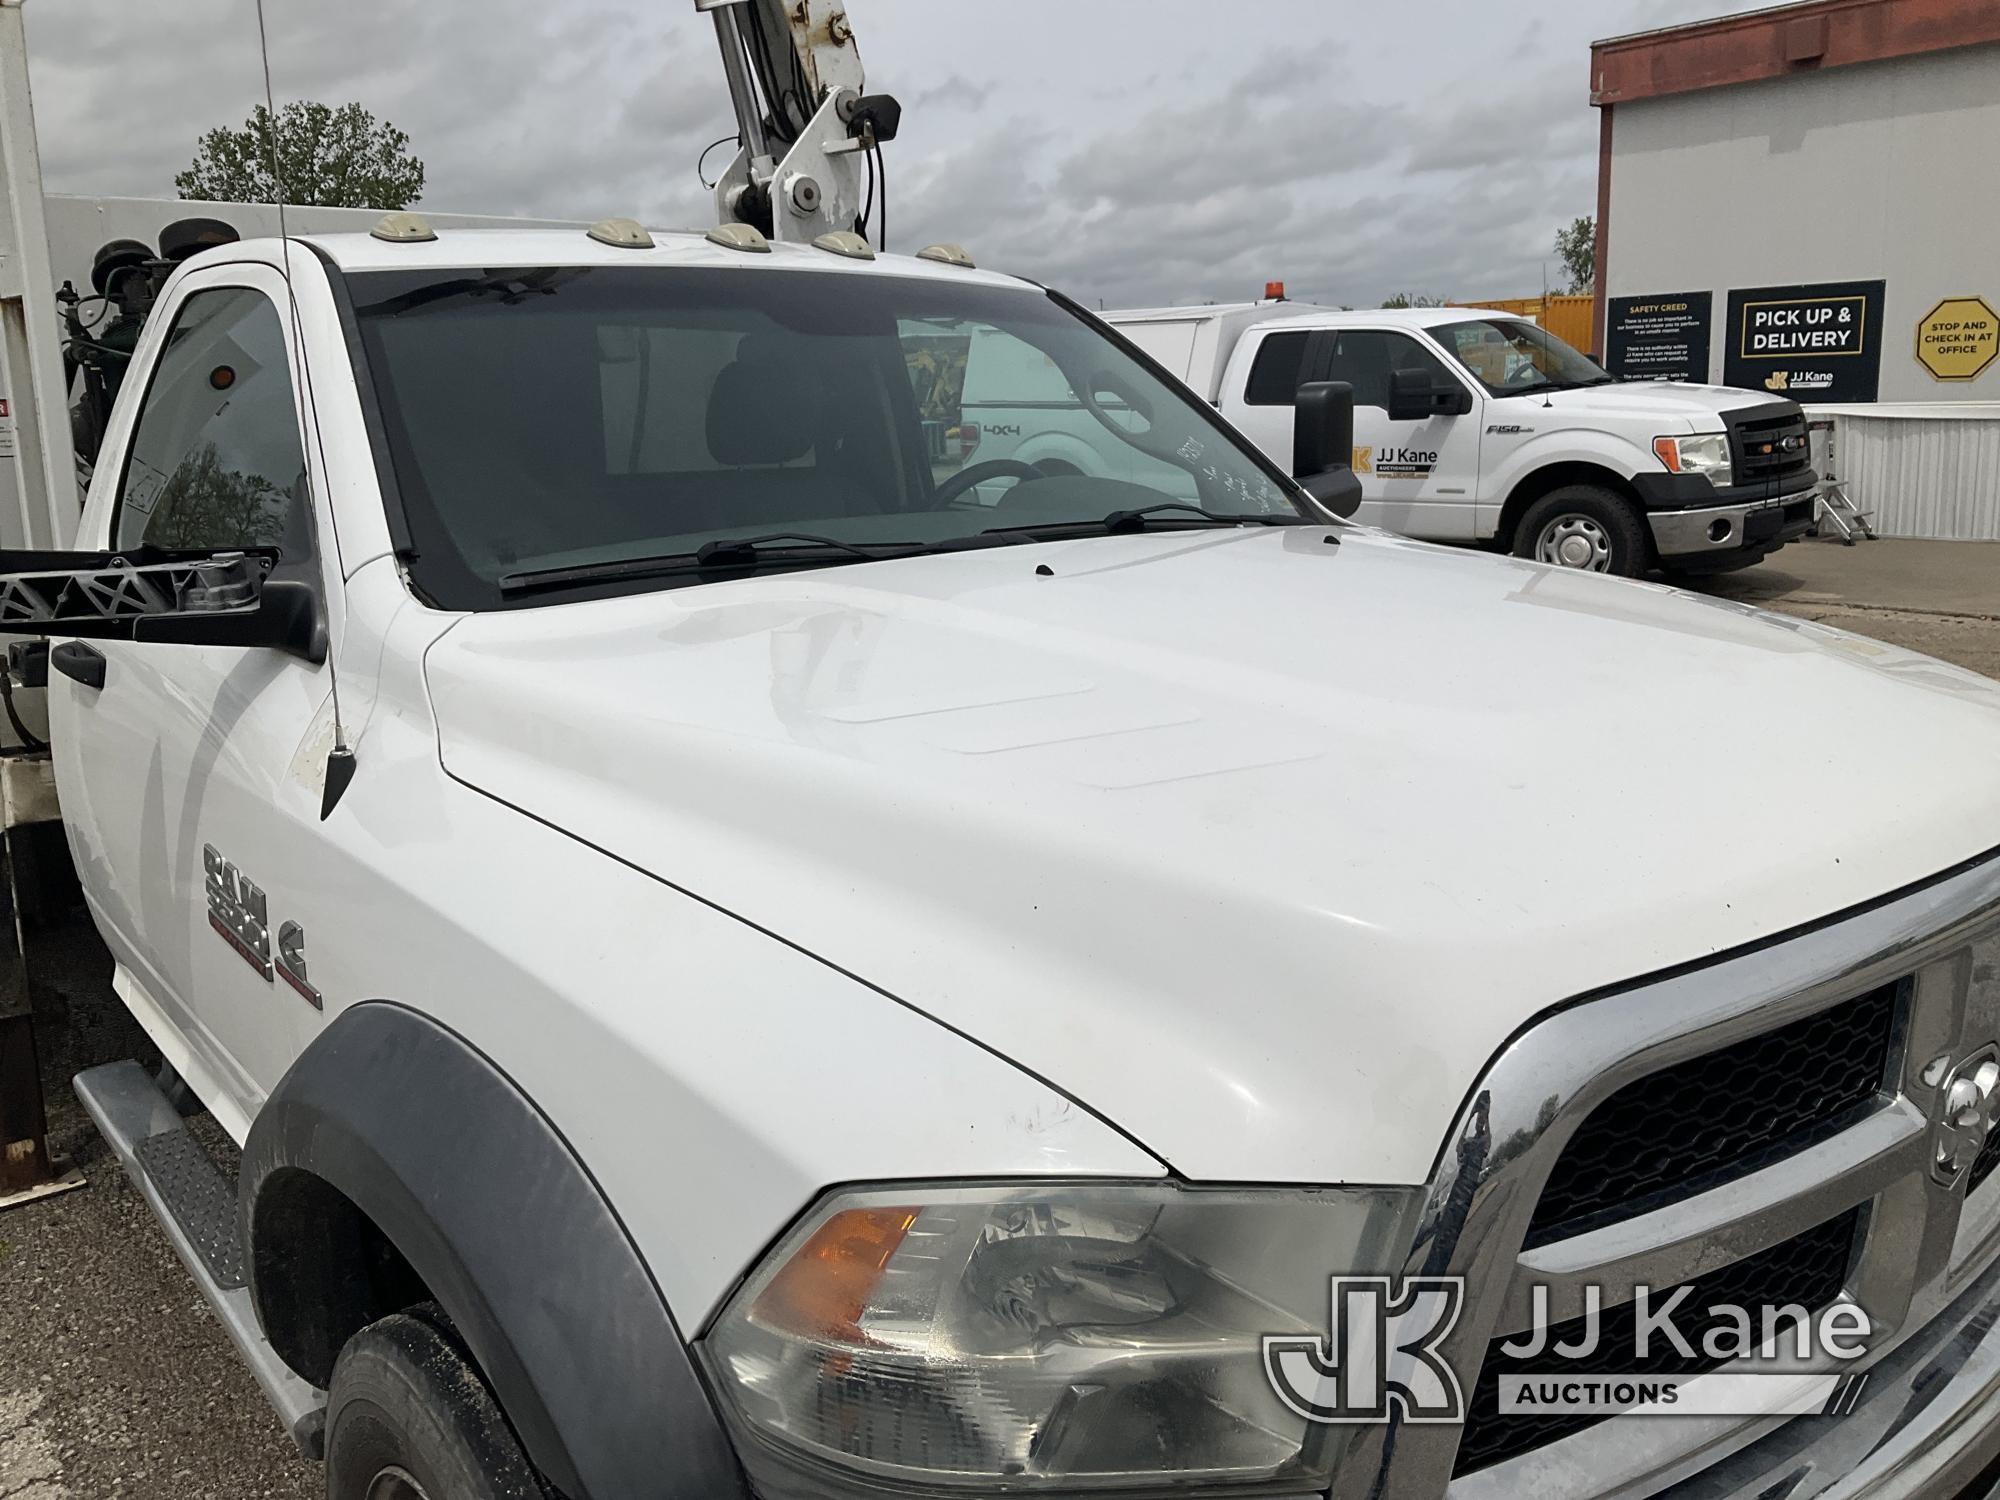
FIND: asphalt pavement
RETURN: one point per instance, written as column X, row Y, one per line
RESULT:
column 1940, row 598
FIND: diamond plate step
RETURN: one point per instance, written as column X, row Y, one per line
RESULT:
column 196, row 1206
column 199, row 1199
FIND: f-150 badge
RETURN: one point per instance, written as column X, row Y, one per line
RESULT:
column 239, row 911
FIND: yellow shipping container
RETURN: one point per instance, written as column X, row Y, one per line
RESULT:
column 1568, row 317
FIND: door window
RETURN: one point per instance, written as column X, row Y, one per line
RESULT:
column 216, row 460
column 1275, row 375
column 1364, row 358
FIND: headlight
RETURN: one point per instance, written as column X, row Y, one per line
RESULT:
column 1063, row 1338
column 1705, row 453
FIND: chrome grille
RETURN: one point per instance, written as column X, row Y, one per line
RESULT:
column 1691, row 1127
column 1809, row 1271
column 1911, row 982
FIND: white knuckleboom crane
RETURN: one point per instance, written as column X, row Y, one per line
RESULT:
column 808, row 136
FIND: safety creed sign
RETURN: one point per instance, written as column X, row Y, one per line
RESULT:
column 1958, row 338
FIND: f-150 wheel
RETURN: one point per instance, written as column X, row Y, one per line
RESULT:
column 1582, row 526
column 409, row 1418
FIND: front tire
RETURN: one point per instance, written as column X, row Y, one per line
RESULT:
column 1585, row 527
column 408, row 1417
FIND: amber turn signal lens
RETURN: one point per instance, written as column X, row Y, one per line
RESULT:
column 1669, row 453
column 823, row 1289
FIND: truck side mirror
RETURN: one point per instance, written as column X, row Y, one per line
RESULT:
column 1415, row 396
column 1323, row 445
column 153, row 594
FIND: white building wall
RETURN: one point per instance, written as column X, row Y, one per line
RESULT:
column 1888, row 170
column 1885, row 170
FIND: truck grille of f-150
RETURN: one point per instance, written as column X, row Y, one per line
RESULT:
column 1689, row 1127
column 1769, row 444
column 1807, row 1271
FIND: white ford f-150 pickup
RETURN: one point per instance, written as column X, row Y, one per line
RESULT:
column 1478, row 426
column 740, row 965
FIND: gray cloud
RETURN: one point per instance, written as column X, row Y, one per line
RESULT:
column 1186, row 150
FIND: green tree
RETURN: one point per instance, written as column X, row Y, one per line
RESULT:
column 1576, row 248
column 336, row 158
column 1416, row 299
column 203, row 504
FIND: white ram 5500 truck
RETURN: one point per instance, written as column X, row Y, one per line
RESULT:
column 742, row 966
column 1478, row 426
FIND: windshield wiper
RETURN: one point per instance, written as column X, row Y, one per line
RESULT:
column 1137, row 519
column 740, row 551
column 804, row 550
column 1561, row 385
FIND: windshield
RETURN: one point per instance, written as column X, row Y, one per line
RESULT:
column 554, row 425
column 1511, row 358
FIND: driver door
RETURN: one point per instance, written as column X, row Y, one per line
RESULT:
column 190, row 773
column 1420, row 478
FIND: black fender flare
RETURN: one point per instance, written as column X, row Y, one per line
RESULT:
column 488, row 1204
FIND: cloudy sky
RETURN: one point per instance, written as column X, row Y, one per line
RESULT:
column 1129, row 151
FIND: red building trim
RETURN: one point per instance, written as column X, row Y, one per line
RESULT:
column 1808, row 37
column 1600, row 266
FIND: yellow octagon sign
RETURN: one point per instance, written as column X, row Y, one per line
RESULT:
column 1958, row 339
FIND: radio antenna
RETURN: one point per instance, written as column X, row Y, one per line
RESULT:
column 340, row 762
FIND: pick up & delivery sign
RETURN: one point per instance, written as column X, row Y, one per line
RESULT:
column 1813, row 343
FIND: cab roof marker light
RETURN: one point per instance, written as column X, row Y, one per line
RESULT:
column 404, row 229
column 621, row 234
column 948, row 255
column 845, row 242
column 739, row 237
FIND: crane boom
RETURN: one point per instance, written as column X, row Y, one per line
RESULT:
column 804, row 125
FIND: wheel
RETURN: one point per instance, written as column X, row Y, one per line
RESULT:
column 1582, row 526
column 408, row 1417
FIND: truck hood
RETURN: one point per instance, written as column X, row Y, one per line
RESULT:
column 1258, row 845
column 1680, row 407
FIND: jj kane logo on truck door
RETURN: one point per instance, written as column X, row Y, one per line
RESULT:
column 1395, row 463
column 240, row 913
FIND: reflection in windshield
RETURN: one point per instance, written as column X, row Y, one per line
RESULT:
column 562, row 421
column 1511, row 357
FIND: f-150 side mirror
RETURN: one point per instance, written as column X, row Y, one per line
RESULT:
column 1323, row 445
column 1416, row 395
column 152, row 594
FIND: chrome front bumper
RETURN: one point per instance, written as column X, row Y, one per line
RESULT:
column 1927, row 1426
column 1713, row 528
column 1719, row 529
